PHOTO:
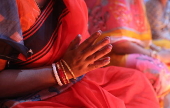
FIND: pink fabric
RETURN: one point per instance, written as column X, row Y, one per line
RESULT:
column 156, row 71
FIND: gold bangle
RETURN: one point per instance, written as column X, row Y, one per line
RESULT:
column 64, row 73
column 71, row 72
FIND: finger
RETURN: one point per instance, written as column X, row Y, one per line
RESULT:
column 75, row 43
column 88, row 42
column 91, row 50
column 99, row 63
column 99, row 54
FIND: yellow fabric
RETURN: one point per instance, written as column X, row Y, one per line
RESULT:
column 117, row 60
column 123, row 32
column 162, row 43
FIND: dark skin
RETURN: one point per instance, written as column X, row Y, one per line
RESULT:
column 41, row 3
column 129, row 47
column 89, row 56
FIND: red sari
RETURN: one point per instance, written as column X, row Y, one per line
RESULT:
column 111, row 87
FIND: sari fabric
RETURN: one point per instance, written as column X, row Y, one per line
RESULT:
column 121, row 88
column 112, row 87
column 125, row 20
column 120, row 18
column 27, row 14
column 10, row 29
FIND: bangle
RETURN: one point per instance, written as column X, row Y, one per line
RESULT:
column 56, row 75
column 71, row 72
column 67, row 80
column 154, row 54
column 61, row 73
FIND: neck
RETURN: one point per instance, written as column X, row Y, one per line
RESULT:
column 41, row 3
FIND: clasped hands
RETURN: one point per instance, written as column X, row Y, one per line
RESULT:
column 88, row 55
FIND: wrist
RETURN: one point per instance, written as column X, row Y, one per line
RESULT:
column 154, row 54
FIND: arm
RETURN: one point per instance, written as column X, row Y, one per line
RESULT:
column 20, row 82
column 128, row 47
column 81, row 59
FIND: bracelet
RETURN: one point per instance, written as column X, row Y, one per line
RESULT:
column 61, row 73
column 154, row 54
column 67, row 80
column 71, row 72
column 56, row 75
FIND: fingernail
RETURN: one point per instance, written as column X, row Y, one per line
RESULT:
column 107, row 38
column 110, row 46
column 79, row 35
column 107, row 59
column 100, row 32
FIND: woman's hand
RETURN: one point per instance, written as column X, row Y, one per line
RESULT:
column 87, row 56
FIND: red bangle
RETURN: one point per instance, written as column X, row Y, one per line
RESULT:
column 61, row 73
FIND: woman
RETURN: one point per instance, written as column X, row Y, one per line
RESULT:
column 51, row 40
column 125, row 22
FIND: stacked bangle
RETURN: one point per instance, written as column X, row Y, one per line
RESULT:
column 56, row 75
column 71, row 72
column 60, row 74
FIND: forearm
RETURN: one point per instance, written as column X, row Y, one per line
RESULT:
column 155, row 48
column 128, row 47
column 20, row 82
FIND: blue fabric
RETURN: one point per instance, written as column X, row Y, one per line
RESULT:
column 10, row 26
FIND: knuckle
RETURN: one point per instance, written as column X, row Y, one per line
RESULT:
column 94, row 56
column 96, row 66
column 78, row 58
column 80, row 68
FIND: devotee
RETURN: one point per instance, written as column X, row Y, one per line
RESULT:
column 50, row 60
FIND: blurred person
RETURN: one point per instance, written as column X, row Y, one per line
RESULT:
column 126, row 23
column 158, row 13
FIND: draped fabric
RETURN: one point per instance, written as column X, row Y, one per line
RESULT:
column 48, row 38
column 10, row 29
column 119, row 18
column 27, row 14
column 111, row 87
column 122, row 20
column 125, row 20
